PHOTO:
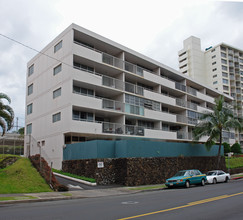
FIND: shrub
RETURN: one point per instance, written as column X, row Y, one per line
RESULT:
column 226, row 147
column 236, row 148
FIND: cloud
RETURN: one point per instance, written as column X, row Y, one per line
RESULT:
column 29, row 23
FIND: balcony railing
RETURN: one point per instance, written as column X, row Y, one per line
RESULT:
column 114, row 128
column 180, row 86
column 129, row 87
column 112, row 105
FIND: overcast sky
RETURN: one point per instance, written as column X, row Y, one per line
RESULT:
column 154, row 28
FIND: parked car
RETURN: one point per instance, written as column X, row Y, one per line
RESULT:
column 216, row 176
column 186, row 178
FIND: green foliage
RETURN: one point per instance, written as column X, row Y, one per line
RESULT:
column 6, row 114
column 226, row 147
column 233, row 162
column 22, row 177
column 75, row 176
column 21, row 131
column 212, row 124
column 236, row 148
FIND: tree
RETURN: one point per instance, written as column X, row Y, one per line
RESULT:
column 212, row 125
column 235, row 148
column 226, row 147
column 6, row 114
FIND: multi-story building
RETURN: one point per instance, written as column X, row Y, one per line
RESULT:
column 83, row 87
column 220, row 67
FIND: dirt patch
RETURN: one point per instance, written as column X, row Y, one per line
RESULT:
column 7, row 162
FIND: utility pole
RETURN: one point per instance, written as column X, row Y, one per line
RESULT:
column 17, row 127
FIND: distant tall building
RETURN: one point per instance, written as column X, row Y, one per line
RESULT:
column 220, row 67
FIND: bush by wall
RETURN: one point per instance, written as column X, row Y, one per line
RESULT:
column 46, row 173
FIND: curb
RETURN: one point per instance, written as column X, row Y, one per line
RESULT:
column 75, row 179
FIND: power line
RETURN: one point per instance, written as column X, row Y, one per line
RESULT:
column 31, row 48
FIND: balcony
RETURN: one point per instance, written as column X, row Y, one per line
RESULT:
column 112, row 82
column 114, row 128
column 180, row 86
column 129, row 87
column 112, row 105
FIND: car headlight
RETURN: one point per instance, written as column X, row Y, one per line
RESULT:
column 179, row 181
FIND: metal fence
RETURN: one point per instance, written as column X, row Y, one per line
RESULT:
column 12, row 143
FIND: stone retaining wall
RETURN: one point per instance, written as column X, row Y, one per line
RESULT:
column 138, row 171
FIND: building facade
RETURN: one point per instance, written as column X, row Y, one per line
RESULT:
column 84, row 87
column 220, row 67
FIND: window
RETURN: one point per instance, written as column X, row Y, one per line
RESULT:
column 224, row 68
column 214, row 69
column 30, row 89
column 56, row 117
column 225, row 81
column 83, row 116
column 213, row 63
column 57, row 69
column 223, row 54
column 225, row 88
column 57, row 93
column 83, row 67
column 215, row 82
column 224, row 61
column 57, row 46
column 214, row 76
column 83, row 91
column 224, row 74
column 213, row 56
column 29, row 129
column 212, row 50
column 31, row 70
column 165, row 127
column 29, row 108
column 223, row 48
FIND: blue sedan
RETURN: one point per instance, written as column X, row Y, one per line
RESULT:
column 186, row 178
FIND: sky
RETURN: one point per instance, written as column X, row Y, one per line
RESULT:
column 155, row 28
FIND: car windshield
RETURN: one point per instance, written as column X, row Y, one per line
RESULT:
column 180, row 173
column 211, row 173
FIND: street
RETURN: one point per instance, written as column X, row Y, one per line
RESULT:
column 218, row 201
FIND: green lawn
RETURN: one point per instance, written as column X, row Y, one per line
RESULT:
column 75, row 176
column 22, row 177
column 234, row 162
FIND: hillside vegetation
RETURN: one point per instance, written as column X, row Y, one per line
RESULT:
column 21, row 177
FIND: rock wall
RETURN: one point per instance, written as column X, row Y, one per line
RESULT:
column 138, row 171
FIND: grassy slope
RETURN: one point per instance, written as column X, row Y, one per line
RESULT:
column 234, row 162
column 22, row 177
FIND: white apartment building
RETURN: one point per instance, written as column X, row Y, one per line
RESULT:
column 220, row 67
column 83, row 86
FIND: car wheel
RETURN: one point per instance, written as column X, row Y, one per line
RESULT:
column 187, row 184
column 226, row 179
column 214, row 181
column 203, row 182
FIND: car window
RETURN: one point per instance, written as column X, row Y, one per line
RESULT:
column 197, row 172
column 220, row 173
column 180, row 173
column 211, row 173
column 192, row 173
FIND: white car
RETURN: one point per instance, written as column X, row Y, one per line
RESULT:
column 216, row 176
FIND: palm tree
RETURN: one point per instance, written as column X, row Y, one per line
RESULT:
column 212, row 124
column 6, row 114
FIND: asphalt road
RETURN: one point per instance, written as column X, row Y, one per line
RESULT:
column 220, row 201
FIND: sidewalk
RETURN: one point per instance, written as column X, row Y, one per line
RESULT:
column 52, row 196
